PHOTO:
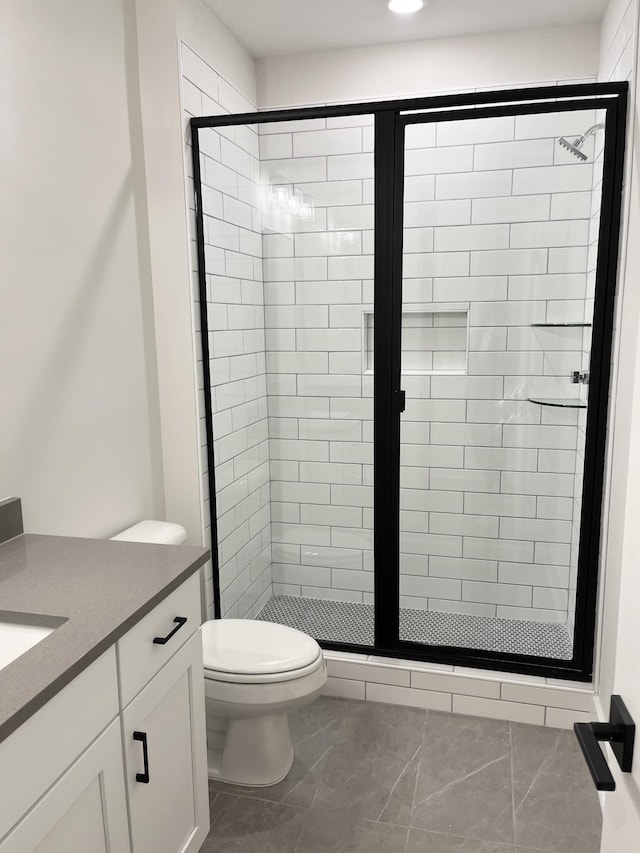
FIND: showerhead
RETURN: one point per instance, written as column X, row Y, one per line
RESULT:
column 574, row 147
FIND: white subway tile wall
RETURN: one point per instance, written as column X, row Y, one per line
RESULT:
column 523, row 245
column 500, row 234
column 497, row 227
column 235, row 302
column 318, row 262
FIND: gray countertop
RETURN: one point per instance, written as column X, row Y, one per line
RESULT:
column 99, row 587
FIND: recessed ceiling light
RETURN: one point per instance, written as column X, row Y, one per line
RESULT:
column 404, row 7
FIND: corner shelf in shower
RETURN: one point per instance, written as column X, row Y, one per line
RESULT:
column 558, row 402
column 562, row 325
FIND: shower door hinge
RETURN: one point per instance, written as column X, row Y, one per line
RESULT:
column 400, row 401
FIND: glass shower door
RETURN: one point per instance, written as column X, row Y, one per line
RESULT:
column 434, row 493
column 501, row 218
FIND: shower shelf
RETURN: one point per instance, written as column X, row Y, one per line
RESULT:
column 558, row 402
column 565, row 325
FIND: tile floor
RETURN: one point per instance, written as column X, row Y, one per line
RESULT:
column 373, row 778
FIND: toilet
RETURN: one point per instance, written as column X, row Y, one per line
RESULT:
column 255, row 674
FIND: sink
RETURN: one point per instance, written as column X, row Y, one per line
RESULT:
column 20, row 632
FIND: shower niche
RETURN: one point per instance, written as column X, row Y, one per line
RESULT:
column 398, row 458
column 435, row 339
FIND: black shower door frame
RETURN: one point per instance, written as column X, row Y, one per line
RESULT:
column 391, row 118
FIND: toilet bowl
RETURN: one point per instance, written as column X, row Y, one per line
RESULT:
column 256, row 673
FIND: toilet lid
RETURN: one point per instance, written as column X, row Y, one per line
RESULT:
column 246, row 646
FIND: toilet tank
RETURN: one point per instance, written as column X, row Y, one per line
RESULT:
column 154, row 532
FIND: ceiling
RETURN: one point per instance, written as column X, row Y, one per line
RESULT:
column 268, row 27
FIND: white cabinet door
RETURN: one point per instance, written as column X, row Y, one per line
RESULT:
column 85, row 810
column 54, row 737
column 169, row 809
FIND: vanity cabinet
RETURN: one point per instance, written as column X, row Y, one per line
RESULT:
column 46, row 745
column 86, row 808
column 164, row 735
column 116, row 762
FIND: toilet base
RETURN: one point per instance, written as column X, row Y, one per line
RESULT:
column 255, row 751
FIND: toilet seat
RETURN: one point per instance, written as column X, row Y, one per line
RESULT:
column 244, row 651
column 273, row 678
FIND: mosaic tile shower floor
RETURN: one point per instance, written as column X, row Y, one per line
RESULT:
column 348, row 622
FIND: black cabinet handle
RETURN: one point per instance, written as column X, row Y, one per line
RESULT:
column 180, row 621
column 142, row 737
column 619, row 732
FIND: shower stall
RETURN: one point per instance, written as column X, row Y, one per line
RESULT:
column 406, row 319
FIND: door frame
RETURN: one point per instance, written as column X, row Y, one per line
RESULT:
column 391, row 119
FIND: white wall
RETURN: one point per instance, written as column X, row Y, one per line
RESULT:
column 161, row 23
column 207, row 36
column 618, row 62
column 620, row 634
column 78, row 431
column 87, row 224
column 438, row 65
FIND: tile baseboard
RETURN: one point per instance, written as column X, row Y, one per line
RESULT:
column 482, row 693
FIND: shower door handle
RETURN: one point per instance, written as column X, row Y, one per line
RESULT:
column 619, row 733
